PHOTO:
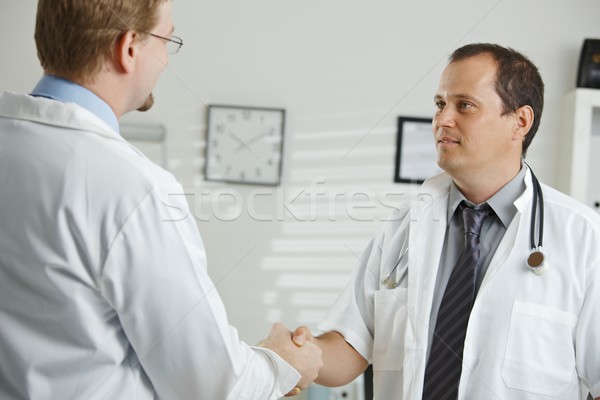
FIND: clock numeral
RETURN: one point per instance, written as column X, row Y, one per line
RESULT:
column 228, row 169
column 258, row 172
column 243, row 175
column 275, row 146
column 271, row 131
column 231, row 117
column 215, row 143
column 218, row 158
column 270, row 162
column 220, row 128
column 247, row 114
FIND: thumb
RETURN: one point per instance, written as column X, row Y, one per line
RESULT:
column 300, row 336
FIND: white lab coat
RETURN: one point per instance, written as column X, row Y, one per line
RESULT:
column 529, row 337
column 104, row 291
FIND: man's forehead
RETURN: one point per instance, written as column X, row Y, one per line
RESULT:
column 469, row 72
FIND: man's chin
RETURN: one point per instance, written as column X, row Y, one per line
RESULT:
column 147, row 104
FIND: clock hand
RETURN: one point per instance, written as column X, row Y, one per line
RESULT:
column 236, row 137
column 248, row 143
column 242, row 144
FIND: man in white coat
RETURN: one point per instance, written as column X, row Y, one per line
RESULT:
column 532, row 333
column 102, row 294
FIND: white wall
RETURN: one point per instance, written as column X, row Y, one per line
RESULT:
column 344, row 70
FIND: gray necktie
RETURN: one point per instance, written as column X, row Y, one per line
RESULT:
column 444, row 366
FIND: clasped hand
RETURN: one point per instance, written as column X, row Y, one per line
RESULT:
column 297, row 349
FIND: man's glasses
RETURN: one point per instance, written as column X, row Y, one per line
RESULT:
column 173, row 44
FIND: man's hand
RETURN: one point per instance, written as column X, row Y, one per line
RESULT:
column 298, row 351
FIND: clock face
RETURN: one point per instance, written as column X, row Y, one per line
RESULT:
column 244, row 144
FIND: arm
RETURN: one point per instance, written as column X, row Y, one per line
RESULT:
column 348, row 341
column 155, row 279
column 341, row 363
column 347, row 345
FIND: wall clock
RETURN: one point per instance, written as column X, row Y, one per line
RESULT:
column 244, row 144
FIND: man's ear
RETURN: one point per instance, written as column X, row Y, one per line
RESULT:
column 523, row 120
column 126, row 51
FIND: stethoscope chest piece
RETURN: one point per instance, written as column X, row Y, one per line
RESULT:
column 536, row 262
column 389, row 283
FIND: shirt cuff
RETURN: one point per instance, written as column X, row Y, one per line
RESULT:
column 286, row 376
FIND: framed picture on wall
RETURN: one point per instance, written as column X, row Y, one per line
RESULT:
column 416, row 157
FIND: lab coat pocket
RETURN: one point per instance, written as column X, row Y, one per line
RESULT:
column 540, row 354
column 390, row 326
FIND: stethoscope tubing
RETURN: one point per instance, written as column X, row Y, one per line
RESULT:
column 538, row 196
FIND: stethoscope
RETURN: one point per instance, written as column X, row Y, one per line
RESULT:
column 391, row 284
column 536, row 260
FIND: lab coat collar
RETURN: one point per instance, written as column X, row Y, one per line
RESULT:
column 438, row 189
column 52, row 112
column 67, row 91
column 502, row 202
column 517, row 232
column 524, row 201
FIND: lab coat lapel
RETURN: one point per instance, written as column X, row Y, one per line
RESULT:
column 427, row 231
column 517, row 233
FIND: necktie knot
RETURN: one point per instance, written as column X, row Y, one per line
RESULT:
column 473, row 217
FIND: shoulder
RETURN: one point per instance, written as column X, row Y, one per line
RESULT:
column 78, row 159
column 430, row 199
column 573, row 228
column 117, row 171
column 562, row 205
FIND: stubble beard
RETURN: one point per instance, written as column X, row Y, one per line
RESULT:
column 447, row 162
column 147, row 104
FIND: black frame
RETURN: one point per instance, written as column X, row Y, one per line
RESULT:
column 238, row 107
column 588, row 73
column 399, row 175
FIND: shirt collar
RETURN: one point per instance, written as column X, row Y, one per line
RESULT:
column 59, row 89
column 502, row 202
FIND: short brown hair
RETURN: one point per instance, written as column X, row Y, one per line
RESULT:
column 518, row 81
column 74, row 37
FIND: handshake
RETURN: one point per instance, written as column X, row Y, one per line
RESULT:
column 299, row 349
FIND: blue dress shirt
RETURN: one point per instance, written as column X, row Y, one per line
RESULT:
column 66, row 91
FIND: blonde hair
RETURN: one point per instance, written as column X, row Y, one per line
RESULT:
column 75, row 37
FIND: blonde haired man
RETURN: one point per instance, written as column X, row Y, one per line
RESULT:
column 101, row 295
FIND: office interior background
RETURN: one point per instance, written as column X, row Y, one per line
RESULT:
column 344, row 71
